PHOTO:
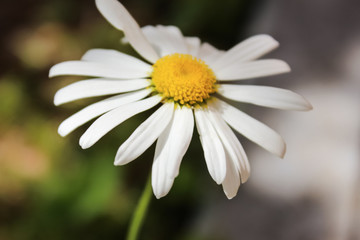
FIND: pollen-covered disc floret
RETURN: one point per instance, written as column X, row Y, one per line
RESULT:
column 183, row 78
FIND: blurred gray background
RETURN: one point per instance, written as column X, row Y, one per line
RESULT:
column 314, row 192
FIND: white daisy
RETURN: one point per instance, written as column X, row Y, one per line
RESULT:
column 184, row 77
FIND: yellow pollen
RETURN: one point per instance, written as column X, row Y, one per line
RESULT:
column 183, row 78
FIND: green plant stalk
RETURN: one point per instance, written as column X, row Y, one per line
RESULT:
column 140, row 212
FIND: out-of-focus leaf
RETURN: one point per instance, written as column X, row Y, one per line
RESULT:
column 101, row 185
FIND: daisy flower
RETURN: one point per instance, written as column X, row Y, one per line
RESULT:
column 185, row 79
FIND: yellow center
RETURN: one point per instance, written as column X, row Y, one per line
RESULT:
column 183, row 78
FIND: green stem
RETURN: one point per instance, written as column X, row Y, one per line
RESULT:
column 140, row 212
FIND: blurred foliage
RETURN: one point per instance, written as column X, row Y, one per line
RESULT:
column 49, row 187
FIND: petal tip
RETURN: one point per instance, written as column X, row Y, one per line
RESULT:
column 268, row 37
column 159, row 194
column 61, row 131
column 220, row 179
column 230, row 196
column 57, row 101
column 51, row 72
column 84, row 143
column 109, row 9
column 282, row 154
column 286, row 67
column 84, row 146
column 309, row 107
column 120, row 158
column 116, row 162
column 244, row 178
column 305, row 105
column 280, row 150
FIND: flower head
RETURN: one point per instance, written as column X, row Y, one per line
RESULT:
column 184, row 77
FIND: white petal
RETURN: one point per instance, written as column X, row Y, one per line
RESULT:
column 252, row 128
column 113, row 118
column 166, row 39
column 95, row 69
column 209, row 54
column 233, row 149
column 160, row 181
column 237, row 165
column 254, row 69
column 120, row 18
column 175, row 140
column 97, row 87
column 145, row 135
column 231, row 182
column 152, row 36
column 213, row 149
column 247, row 50
column 207, row 49
column 170, row 149
column 116, row 59
column 96, row 109
column 175, row 38
column 193, row 45
column 265, row 96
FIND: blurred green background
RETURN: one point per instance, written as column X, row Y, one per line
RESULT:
column 52, row 189
column 49, row 187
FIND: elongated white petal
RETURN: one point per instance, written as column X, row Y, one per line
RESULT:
column 207, row 49
column 175, row 39
column 160, row 181
column 193, row 44
column 254, row 69
column 265, row 96
column 233, row 149
column 213, row 149
column 247, row 50
column 96, row 109
column 97, row 87
column 170, row 149
column 155, row 39
column 179, row 139
column 231, row 182
column 120, row 18
column 174, row 142
column 145, row 135
column 113, row 118
column 95, row 69
column 117, row 59
column 209, row 54
column 252, row 128
column 166, row 39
